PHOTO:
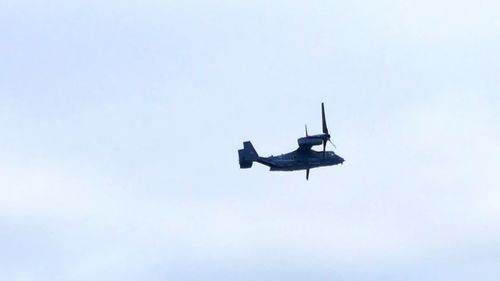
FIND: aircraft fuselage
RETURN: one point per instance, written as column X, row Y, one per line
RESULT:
column 301, row 160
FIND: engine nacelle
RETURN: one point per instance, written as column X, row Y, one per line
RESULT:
column 309, row 141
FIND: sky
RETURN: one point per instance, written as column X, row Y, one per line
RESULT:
column 120, row 123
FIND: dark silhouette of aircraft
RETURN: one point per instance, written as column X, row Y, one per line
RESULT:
column 304, row 158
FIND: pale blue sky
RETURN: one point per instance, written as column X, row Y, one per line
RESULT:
column 120, row 123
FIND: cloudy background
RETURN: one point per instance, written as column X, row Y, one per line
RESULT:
column 120, row 123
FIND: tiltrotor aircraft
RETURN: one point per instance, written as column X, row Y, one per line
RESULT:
column 304, row 158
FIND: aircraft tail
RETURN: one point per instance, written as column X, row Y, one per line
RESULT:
column 247, row 155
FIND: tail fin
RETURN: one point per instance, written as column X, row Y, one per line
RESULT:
column 247, row 155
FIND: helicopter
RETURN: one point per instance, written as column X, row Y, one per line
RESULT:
column 304, row 158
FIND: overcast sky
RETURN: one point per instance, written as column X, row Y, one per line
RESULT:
column 120, row 123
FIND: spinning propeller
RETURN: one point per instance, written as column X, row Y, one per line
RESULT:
column 326, row 136
column 319, row 139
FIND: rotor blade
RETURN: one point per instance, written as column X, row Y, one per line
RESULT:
column 325, row 129
column 324, row 147
column 307, row 174
column 306, row 131
column 332, row 143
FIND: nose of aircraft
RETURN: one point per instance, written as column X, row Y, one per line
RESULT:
column 341, row 160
